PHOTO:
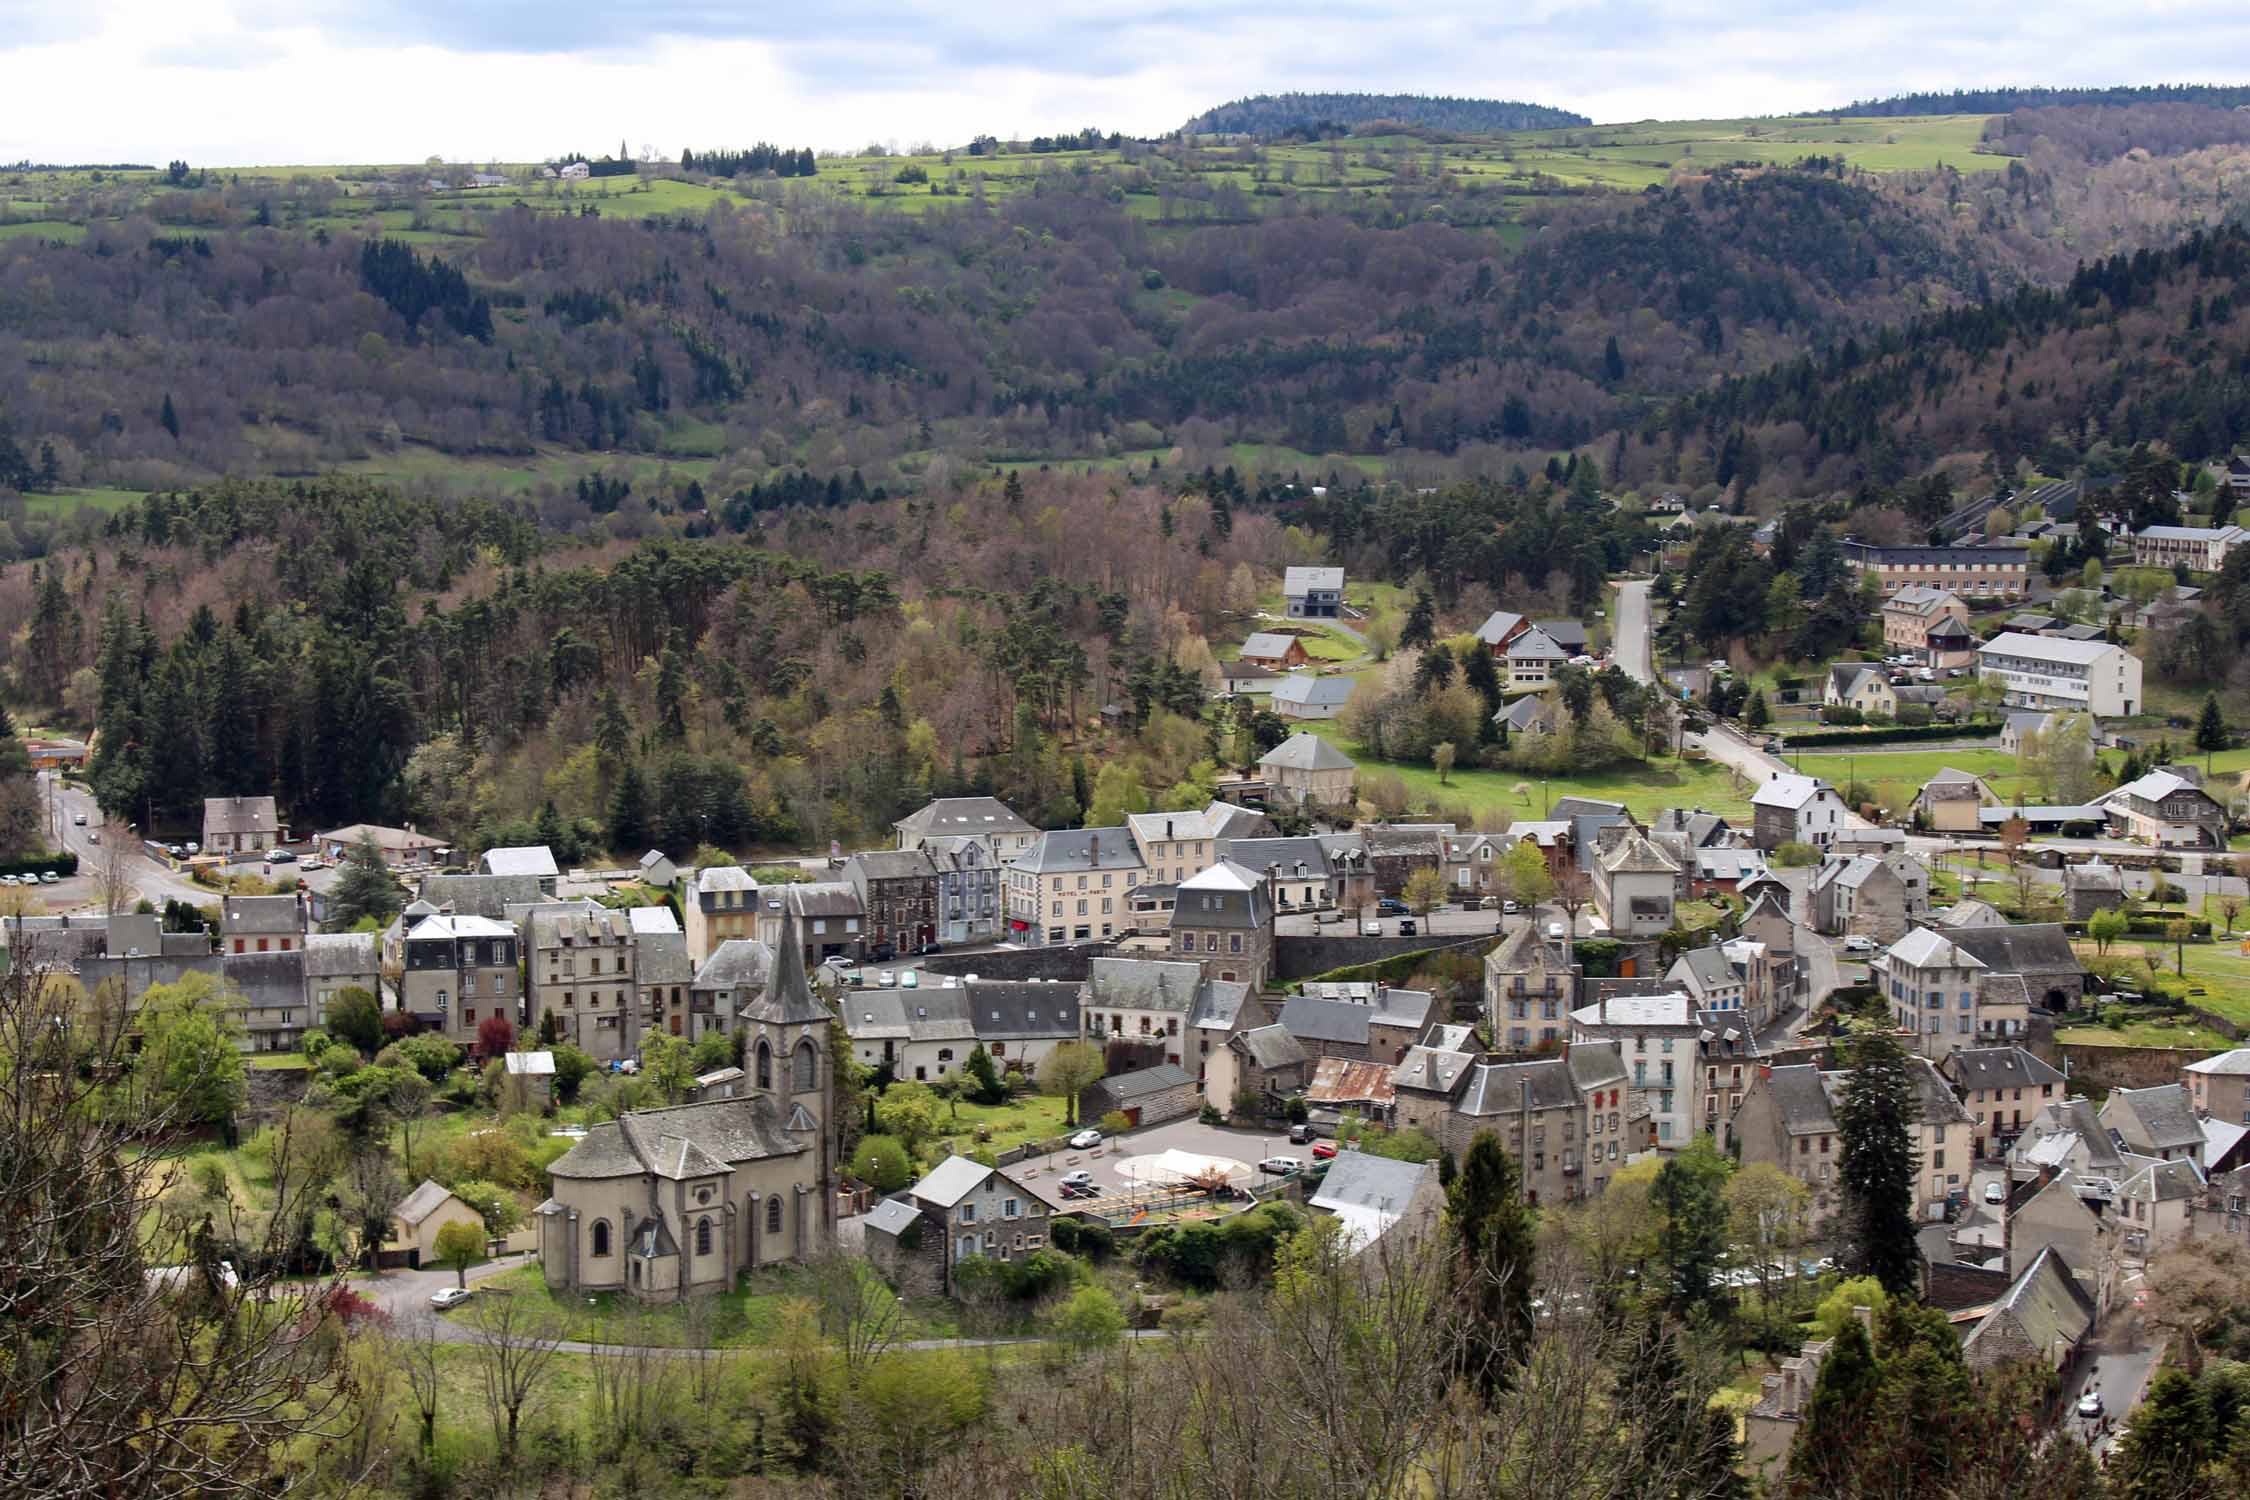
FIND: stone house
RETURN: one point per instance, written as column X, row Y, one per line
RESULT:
column 262, row 924
column 719, row 904
column 1223, row 918
column 1001, row 828
column 1267, row 1063
column 732, row 978
column 826, row 916
column 662, row 970
column 339, row 961
column 2044, row 1318
column 2219, row 1087
column 1787, row 1119
column 1660, row 1038
column 401, row 848
column 898, row 895
column 2159, row 1122
column 458, row 971
column 1530, row 984
column 1396, row 850
column 1792, row 809
column 1859, row 685
column 534, row 860
column 581, row 972
column 1145, row 1096
column 2000, row 1087
column 1073, row 886
column 674, row 1202
column 412, row 1241
column 1357, row 1021
column 1308, row 769
column 961, row 1211
column 1931, row 984
column 968, row 887
column 2156, row 1203
column 2092, row 886
column 1950, row 801
column 2222, row 1211
column 2061, row 1212
column 1297, row 870
column 2039, row 953
column 1153, row 1002
column 1371, row 1196
column 240, row 825
column 1427, row 1083
column 1871, row 895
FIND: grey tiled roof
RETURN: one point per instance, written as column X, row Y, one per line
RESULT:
column 524, row 859
column 1287, row 853
column 723, row 1131
column 2165, row 1113
column 1272, row 1047
column 964, row 815
column 788, row 999
column 1016, row 1010
column 1498, row 1088
column 1998, row 1068
column 1218, row 1004
column 1143, row 984
column 1360, row 1179
column 891, row 1217
column 1144, row 1082
column 335, row 954
column 2032, row 948
column 236, row 815
column 737, row 963
column 1801, row 1101
column 1306, row 751
column 480, row 895
column 892, row 864
column 1070, row 850
column 421, row 1203
column 1327, row 1020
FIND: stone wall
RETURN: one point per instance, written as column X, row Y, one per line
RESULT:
column 1298, row 957
column 1064, row 961
column 269, row 1089
column 914, row 1262
column 1168, row 1104
column 2127, row 1067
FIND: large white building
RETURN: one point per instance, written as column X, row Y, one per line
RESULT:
column 2202, row 548
column 2036, row 671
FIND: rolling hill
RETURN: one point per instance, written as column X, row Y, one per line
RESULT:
column 1312, row 116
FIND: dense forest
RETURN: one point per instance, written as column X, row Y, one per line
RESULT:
column 2002, row 100
column 1320, row 116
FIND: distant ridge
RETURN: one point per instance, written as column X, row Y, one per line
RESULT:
column 1316, row 115
column 2007, row 100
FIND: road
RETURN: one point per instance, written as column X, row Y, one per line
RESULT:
column 2124, row 1356
column 1634, row 651
column 151, row 881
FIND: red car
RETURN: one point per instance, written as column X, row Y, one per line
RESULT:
column 1322, row 1150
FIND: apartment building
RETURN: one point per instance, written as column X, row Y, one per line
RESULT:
column 1929, row 623
column 458, row 971
column 1976, row 572
column 582, row 975
column 1074, row 885
column 1659, row 1039
column 2202, row 549
column 2036, row 671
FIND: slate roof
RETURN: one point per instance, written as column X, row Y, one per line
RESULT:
column 1311, row 690
column 1397, row 840
column 1192, row 824
column 651, row 921
column 1431, row 1070
column 2156, row 786
column 893, row 864
column 2235, row 1064
column 522, row 859
column 963, row 815
column 737, row 963
column 236, row 815
column 481, row 895
column 579, row 922
column 891, row 1217
column 788, row 999
column 404, row 840
column 2164, row 1182
column 1704, row 830
column 421, row 1203
column 1020, row 1010
column 1801, row 1100
column 1998, row 1068
column 2044, row 1305
column 1142, row 984
column 2022, row 948
column 1496, row 625
column 1361, row 1179
column 1597, row 1065
column 1526, row 714
column 1844, row 676
column 1065, row 851
column 1639, row 1011
column 331, row 955
column 1272, row 1047
column 1928, row 948
column 1218, row 1004
column 1381, row 1005
column 1971, row 913
column 1306, row 751
column 820, row 898
column 1497, row 1088
column 1635, row 855
column 723, row 1130
column 950, row 1181
column 714, row 878
column 1297, row 582
column 1287, row 853
column 2046, row 648
column 1268, row 643
column 1536, row 645
column 2164, row 1112
column 1143, row 1082
column 1708, row 969
column 1919, row 599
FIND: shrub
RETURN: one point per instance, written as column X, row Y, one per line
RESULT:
column 1209, row 1115
column 1836, row 1308
column 880, row 1162
column 1793, row 855
column 1116, row 1122
column 1297, row 1110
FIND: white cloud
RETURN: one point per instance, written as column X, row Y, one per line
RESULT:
column 254, row 82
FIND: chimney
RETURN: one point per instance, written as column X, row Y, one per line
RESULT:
column 1094, row 848
column 1601, row 1004
column 1167, row 827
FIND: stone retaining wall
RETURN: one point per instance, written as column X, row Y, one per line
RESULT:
column 1072, row 961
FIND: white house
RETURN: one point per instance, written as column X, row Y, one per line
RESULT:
column 1313, row 593
column 2046, row 672
column 2202, row 548
column 1792, row 809
column 1532, row 658
column 1860, row 685
column 1660, row 1039
column 1305, row 695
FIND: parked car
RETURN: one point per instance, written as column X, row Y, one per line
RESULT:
column 93, row 836
column 1085, row 1140
column 927, row 949
column 194, row 847
column 280, row 857
column 1371, row 928
column 1511, row 908
column 1390, row 906
column 886, row 978
column 882, row 953
column 48, row 877
column 2090, row 1404
column 79, row 819
column 1077, row 1179
column 1299, row 1134
column 452, row 1296
column 1280, row 1166
column 1996, row 1191
column 1323, row 1150
column 1408, row 928
column 835, row 961
column 1080, row 1190
column 1859, row 942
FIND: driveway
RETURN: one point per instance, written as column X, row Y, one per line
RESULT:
column 402, row 1292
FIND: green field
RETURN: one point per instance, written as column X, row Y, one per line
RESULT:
column 747, row 1315
column 1646, row 789
column 2146, row 1034
column 516, row 476
column 63, row 502
column 1906, row 771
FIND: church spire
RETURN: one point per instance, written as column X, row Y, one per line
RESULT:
column 788, row 999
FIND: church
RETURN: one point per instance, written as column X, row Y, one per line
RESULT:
column 672, row 1203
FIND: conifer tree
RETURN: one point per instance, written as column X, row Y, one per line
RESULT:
column 364, row 888
column 1493, row 1243
column 1875, row 1117
column 1421, row 622
column 170, row 418
column 2210, row 730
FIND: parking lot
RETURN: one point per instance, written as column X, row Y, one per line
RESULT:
column 1042, row 1174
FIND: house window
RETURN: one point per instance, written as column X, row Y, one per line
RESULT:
column 807, row 1068
column 765, row 1064
column 773, row 1214
column 703, row 1236
column 1010, row 1209
column 601, row 1236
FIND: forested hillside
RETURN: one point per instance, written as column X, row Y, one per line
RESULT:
column 1316, row 116
column 2001, row 100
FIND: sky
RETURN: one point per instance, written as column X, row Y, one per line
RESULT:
column 272, row 82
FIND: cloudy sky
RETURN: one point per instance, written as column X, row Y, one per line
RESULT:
column 246, row 82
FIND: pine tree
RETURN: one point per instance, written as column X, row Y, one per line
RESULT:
column 170, row 418
column 629, row 820
column 1421, row 622
column 671, row 696
column 1757, row 715
column 2210, row 730
column 1825, row 1453
column 1494, row 1249
column 1012, row 491
column 1613, row 363
column 364, row 888
column 1876, row 1172
column 613, row 737
column 2173, row 1436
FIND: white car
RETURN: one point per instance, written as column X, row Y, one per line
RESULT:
column 887, row 978
column 2090, row 1404
column 1859, row 942
column 1995, row 1192
column 452, row 1296
column 1280, row 1166
column 79, row 819
column 835, row 961
column 1085, row 1140
column 1076, row 1179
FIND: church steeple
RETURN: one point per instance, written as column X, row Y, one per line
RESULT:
column 788, row 999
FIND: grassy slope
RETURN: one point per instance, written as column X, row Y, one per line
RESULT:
column 1647, row 790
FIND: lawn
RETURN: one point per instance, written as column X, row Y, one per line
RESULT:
column 2148, row 1033
column 1647, row 789
column 2223, row 970
column 744, row 1317
column 63, row 502
column 1034, row 1117
column 277, row 1061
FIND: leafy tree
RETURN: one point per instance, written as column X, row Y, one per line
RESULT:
column 1877, row 1170
column 2105, row 927
column 908, row 1111
column 1425, row 889
column 499, row 1207
column 189, row 1048
column 1757, row 715
column 1690, row 1193
column 1443, row 757
column 1841, row 1305
column 668, row 1063
column 356, row 1016
column 1089, row 1320
column 496, row 1034
column 1069, row 1071
column 2172, row 1438
column 460, row 1246
column 572, row 1068
column 1494, row 1251
column 881, row 1163
column 1524, row 874
column 364, row 888
column 370, row 1193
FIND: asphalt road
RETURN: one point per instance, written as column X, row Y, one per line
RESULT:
column 1634, row 653
column 151, row 879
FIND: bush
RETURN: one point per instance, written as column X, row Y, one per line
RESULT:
column 1201, row 1254
column 1840, row 713
column 1209, row 1115
column 880, row 1162
column 1795, row 856
column 1116, row 1122
column 1896, row 734
column 1297, row 1110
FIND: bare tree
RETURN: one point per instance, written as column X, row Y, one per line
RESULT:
column 135, row 1360
column 513, row 1344
column 113, row 872
column 1572, row 891
column 858, row 1313
column 409, row 1104
column 414, row 1351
